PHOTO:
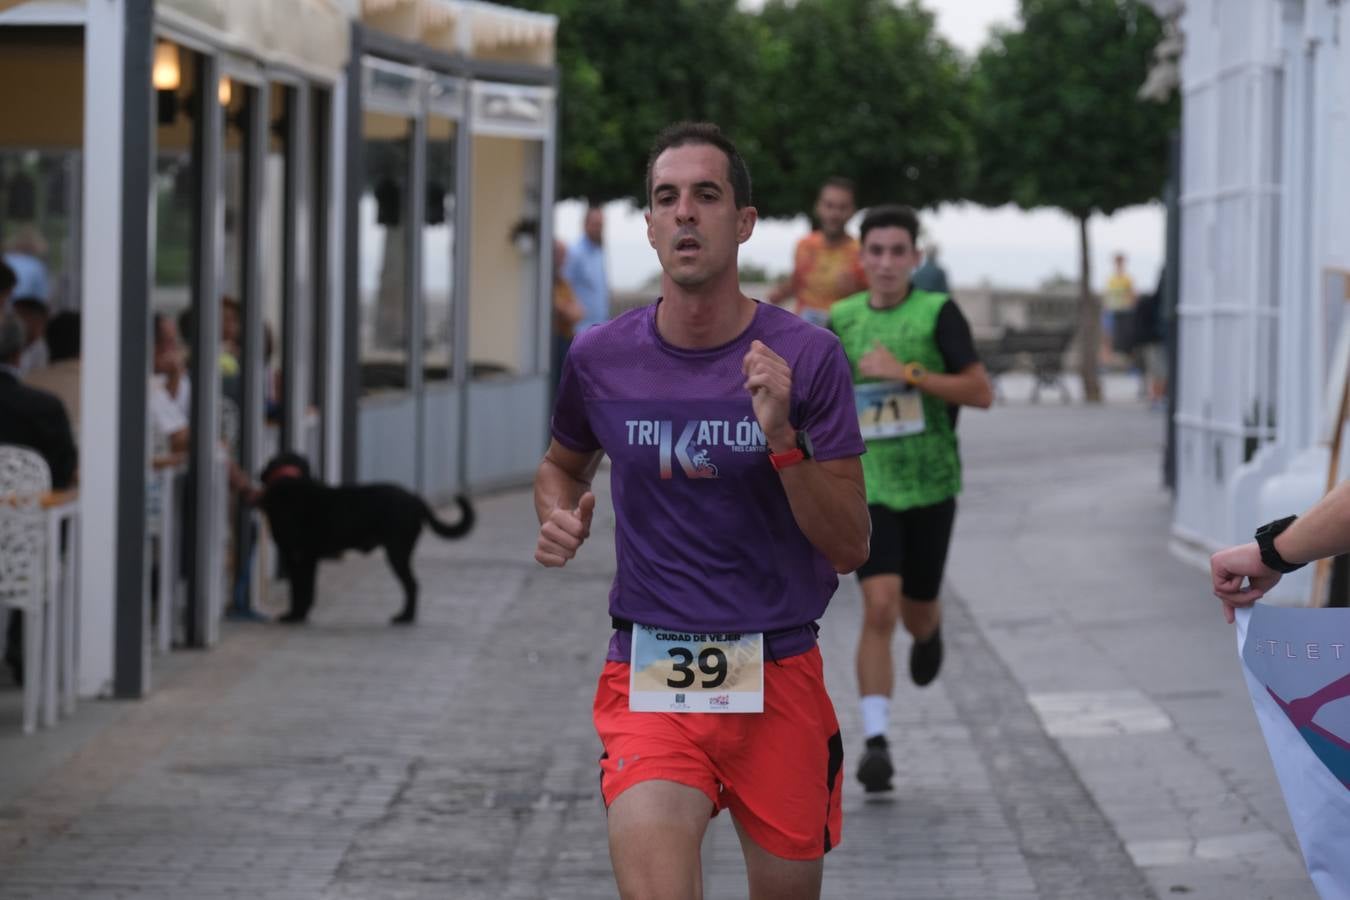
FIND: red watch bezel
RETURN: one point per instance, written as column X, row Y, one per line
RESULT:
column 782, row 460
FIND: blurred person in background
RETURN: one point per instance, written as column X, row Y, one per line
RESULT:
column 61, row 375
column 584, row 270
column 567, row 311
column 34, row 419
column 31, row 297
column 930, row 276
column 1118, row 302
column 825, row 266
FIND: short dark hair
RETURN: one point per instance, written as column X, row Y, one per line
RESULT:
column 891, row 216
column 63, row 336
column 839, row 181
column 186, row 323
column 13, row 336
column 34, row 305
column 7, row 278
column 683, row 133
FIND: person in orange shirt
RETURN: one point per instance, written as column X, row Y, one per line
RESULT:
column 826, row 266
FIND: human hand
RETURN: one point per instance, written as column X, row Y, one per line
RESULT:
column 1229, row 567
column 563, row 532
column 768, row 378
column 880, row 363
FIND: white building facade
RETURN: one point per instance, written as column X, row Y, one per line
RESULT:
column 1264, row 262
column 361, row 184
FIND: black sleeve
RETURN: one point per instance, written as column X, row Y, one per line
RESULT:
column 954, row 340
column 58, row 443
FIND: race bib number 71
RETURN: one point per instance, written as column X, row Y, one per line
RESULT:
column 682, row 672
column 888, row 409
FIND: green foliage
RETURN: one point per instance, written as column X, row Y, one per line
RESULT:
column 1059, row 121
column 860, row 88
column 631, row 67
column 1060, row 124
column 752, row 273
column 808, row 89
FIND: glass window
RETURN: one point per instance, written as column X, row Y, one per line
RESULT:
column 38, row 204
column 390, row 85
column 41, row 92
column 312, row 439
column 504, row 293
column 238, row 100
column 275, row 265
column 177, row 229
column 438, row 250
column 511, row 109
column 445, row 96
column 383, row 264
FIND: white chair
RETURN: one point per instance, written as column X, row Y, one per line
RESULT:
column 24, row 479
column 227, row 449
column 165, row 531
column 229, row 426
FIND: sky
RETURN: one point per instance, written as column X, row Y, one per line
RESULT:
column 1004, row 247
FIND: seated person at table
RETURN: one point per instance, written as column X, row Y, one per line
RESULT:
column 37, row 420
column 61, row 375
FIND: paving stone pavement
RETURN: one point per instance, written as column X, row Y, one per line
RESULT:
column 1061, row 556
column 349, row 759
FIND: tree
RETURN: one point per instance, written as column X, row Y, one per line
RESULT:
column 1059, row 124
column 807, row 89
column 631, row 67
column 860, row 88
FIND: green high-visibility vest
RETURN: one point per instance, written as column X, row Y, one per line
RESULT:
column 918, row 469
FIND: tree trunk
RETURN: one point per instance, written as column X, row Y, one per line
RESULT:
column 1089, row 321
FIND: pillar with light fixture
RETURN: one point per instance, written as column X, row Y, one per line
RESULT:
column 166, row 76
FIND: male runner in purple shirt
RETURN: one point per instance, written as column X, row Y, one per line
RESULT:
column 738, row 497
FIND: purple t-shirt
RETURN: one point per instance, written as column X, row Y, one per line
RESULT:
column 704, row 535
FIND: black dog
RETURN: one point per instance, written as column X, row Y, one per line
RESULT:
column 312, row 521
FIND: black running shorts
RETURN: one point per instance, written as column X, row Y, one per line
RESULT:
column 912, row 544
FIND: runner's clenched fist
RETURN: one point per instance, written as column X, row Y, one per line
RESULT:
column 768, row 378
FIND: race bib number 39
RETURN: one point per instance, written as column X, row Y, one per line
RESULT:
column 685, row 672
column 888, row 409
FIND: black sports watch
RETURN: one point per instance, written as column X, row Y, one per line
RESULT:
column 800, row 453
column 804, row 444
column 1265, row 540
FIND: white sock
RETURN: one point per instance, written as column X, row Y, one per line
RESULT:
column 875, row 713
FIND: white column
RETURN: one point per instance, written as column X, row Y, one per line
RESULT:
column 102, row 231
column 335, row 359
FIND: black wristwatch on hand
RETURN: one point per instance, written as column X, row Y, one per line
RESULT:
column 1265, row 540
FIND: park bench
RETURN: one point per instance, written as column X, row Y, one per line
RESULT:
column 1039, row 351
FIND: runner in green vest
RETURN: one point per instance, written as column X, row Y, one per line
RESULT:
column 914, row 365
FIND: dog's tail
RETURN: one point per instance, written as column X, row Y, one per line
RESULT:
column 460, row 528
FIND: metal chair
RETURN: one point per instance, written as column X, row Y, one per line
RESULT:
column 24, row 480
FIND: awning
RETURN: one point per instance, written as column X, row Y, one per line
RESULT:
column 310, row 35
column 307, row 34
column 467, row 27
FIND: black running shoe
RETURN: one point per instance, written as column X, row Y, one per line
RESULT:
column 875, row 770
column 925, row 658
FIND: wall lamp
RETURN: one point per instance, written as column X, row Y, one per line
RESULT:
column 167, row 77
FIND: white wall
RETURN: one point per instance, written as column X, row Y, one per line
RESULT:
column 1231, row 195
column 1266, row 186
